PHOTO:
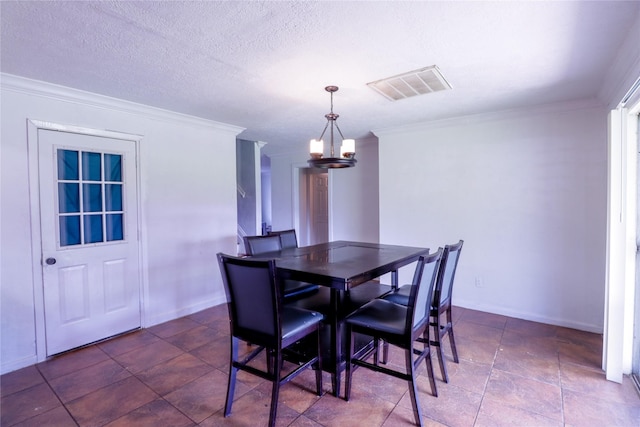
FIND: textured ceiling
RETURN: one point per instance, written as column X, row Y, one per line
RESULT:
column 264, row 65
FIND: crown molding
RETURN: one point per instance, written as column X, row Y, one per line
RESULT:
column 10, row 82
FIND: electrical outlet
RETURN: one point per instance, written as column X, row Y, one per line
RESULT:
column 479, row 282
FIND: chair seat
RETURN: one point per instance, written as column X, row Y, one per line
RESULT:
column 320, row 299
column 297, row 320
column 382, row 316
column 365, row 292
column 294, row 289
column 399, row 296
column 315, row 300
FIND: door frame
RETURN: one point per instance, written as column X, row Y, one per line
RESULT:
column 620, row 279
column 33, row 126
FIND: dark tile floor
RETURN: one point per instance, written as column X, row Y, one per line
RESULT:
column 511, row 372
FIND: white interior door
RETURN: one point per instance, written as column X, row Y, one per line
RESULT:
column 88, row 211
column 319, row 207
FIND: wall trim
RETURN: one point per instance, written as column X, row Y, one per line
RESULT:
column 14, row 365
column 496, row 309
column 76, row 96
column 185, row 311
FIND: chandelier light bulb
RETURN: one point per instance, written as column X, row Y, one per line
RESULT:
column 316, row 148
column 348, row 148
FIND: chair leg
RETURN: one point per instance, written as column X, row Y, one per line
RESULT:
column 275, row 389
column 349, row 369
column 269, row 356
column 385, row 352
column 428, row 361
column 438, row 344
column 232, row 376
column 452, row 341
column 376, row 349
column 413, row 387
column 319, row 367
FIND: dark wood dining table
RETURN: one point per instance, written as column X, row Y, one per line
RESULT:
column 342, row 266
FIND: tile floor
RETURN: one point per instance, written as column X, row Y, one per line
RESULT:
column 512, row 372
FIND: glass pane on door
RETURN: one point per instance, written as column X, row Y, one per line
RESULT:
column 113, row 167
column 113, row 197
column 67, row 164
column 93, row 229
column 91, row 166
column 69, row 230
column 114, row 227
column 89, row 185
column 68, row 197
column 91, row 197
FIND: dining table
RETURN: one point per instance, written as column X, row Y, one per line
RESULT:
column 341, row 266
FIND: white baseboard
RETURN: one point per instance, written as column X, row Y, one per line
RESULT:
column 185, row 311
column 534, row 317
column 14, row 365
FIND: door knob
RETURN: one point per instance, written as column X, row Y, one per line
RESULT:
column 50, row 261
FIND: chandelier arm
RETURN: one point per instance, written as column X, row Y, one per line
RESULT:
column 339, row 131
column 333, row 122
column 324, row 130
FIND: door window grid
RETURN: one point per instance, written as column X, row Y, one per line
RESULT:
column 94, row 214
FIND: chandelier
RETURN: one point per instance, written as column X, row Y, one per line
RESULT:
column 347, row 150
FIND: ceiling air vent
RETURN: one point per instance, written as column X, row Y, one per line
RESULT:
column 417, row 82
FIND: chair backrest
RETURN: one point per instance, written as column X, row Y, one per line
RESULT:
column 253, row 297
column 257, row 245
column 444, row 284
column 288, row 238
column 424, row 280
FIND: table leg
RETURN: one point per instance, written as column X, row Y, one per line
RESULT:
column 394, row 279
column 336, row 350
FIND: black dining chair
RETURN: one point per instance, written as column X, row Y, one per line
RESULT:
column 259, row 316
column 288, row 238
column 261, row 245
column 258, row 245
column 398, row 325
column 441, row 304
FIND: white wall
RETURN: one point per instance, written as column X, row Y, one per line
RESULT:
column 526, row 191
column 355, row 197
column 188, row 205
column 353, row 193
